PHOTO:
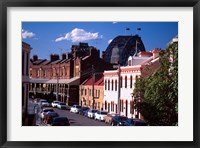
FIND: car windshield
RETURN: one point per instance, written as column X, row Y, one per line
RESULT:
column 52, row 114
column 78, row 106
column 62, row 104
column 104, row 113
column 60, row 119
column 48, row 110
column 94, row 111
column 122, row 118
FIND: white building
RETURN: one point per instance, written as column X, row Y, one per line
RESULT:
column 127, row 76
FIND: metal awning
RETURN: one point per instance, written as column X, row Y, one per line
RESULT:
column 72, row 81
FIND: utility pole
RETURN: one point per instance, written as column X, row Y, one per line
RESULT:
column 119, row 90
column 93, row 79
column 57, row 87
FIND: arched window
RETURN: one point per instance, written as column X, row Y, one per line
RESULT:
column 105, row 84
column 125, row 81
column 108, row 84
column 105, row 105
column 115, row 85
column 131, row 81
column 112, row 85
column 121, row 81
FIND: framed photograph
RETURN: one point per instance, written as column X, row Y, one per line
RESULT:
column 86, row 73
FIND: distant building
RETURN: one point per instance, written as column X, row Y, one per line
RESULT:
column 85, row 88
column 26, row 49
column 120, row 83
column 121, row 48
column 60, row 78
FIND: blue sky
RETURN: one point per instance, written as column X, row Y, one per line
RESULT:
column 57, row 37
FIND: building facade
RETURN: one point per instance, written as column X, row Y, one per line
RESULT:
column 119, row 84
column 26, row 49
column 59, row 79
column 86, row 88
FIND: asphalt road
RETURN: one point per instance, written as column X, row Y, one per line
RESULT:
column 75, row 119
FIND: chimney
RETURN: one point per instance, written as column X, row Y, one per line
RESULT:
column 64, row 55
column 155, row 52
column 54, row 57
column 35, row 57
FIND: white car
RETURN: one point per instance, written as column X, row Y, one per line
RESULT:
column 99, row 115
column 75, row 108
column 55, row 103
column 44, row 111
column 62, row 105
column 44, row 103
column 91, row 113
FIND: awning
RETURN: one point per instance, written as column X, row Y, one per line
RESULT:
column 72, row 81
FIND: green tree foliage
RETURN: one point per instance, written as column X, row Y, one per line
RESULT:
column 158, row 93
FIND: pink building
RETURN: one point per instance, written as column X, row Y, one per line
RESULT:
column 119, row 84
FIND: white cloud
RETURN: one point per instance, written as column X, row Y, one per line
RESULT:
column 109, row 41
column 79, row 35
column 114, row 22
column 26, row 34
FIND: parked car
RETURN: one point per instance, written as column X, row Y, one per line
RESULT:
column 44, row 103
column 60, row 121
column 75, row 108
column 50, row 116
column 99, row 115
column 118, row 120
column 62, row 105
column 44, row 111
column 134, row 122
column 86, row 113
column 91, row 113
column 108, row 118
column 55, row 103
column 82, row 110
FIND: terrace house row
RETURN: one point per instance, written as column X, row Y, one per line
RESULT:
column 60, row 78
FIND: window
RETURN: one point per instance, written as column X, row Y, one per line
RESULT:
column 125, row 81
column 44, row 72
column 115, row 85
column 85, row 91
column 105, row 105
column 108, row 84
column 31, row 72
column 122, row 106
column 112, row 85
column 116, row 108
column 98, row 93
column 121, row 79
column 105, row 84
column 131, row 81
column 37, row 72
column 63, row 71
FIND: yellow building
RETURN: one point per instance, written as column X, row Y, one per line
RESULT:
column 86, row 91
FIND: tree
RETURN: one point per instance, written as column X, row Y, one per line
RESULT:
column 158, row 93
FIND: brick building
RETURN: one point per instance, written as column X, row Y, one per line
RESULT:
column 60, row 78
column 86, row 88
column 26, row 49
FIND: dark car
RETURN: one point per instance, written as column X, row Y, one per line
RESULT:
column 82, row 110
column 118, row 120
column 86, row 113
column 50, row 116
column 60, row 121
column 134, row 122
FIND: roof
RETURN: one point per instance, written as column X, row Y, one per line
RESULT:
column 99, row 80
column 72, row 81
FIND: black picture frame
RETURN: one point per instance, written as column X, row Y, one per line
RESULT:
column 4, row 4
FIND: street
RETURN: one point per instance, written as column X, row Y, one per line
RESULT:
column 74, row 119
